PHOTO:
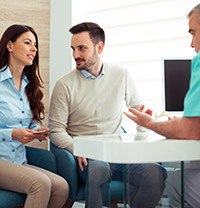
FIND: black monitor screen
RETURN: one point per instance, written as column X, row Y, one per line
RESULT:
column 176, row 83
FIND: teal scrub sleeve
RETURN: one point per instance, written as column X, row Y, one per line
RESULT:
column 192, row 98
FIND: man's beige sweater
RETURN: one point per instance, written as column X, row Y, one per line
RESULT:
column 81, row 106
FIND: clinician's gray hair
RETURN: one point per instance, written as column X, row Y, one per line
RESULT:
column 196, row 9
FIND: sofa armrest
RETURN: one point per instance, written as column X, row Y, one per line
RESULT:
column 41, row 158
column 67, row 168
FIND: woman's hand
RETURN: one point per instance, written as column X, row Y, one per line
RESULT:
column 42, row 133
column 25, row 135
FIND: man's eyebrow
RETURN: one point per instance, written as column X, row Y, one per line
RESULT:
column 78, row 46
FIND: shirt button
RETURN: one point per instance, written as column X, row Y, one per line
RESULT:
column 3, row 139
column 13, row 150
column 20, row 99
column 22, row 111
column 20, row 122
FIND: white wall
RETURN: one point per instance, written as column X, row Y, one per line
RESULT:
column 139, row 34
column 60, row 51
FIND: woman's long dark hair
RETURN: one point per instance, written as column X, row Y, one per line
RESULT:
column 32, row 72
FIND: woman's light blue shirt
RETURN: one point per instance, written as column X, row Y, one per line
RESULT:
column 14, row 113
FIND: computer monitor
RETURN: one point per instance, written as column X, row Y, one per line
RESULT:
column 176, row 78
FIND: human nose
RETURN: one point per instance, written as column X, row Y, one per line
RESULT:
column 192, row 43
column 76, row 54
column 34, row 48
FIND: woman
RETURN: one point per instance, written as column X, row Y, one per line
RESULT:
column 21, row 112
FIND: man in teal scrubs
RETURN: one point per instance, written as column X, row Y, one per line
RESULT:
column 186, row 127
column 191, row 175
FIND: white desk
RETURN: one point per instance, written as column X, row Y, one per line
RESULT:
column 140, row 148
column 146, row 147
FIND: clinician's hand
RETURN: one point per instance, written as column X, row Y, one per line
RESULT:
column 141, row 118
column 82, row 161
column 148, row 111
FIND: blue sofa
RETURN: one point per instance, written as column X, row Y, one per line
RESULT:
column 68, row 169
column 39, row 157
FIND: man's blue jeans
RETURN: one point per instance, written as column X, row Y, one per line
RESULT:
column 146, row 183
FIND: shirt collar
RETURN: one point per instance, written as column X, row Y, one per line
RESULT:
column 87, row 74
column 6, row 74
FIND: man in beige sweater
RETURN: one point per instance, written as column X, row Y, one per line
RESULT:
column 89, row 101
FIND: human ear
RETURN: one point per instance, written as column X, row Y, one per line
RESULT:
column 100, row 47
column 9, row 46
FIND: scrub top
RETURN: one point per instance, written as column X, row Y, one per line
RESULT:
column 192, row 98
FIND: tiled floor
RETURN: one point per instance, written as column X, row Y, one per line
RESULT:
column 82, row 205
column 78, row 205
column 163, row 204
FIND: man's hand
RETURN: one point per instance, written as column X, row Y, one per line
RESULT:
column 82, row 162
